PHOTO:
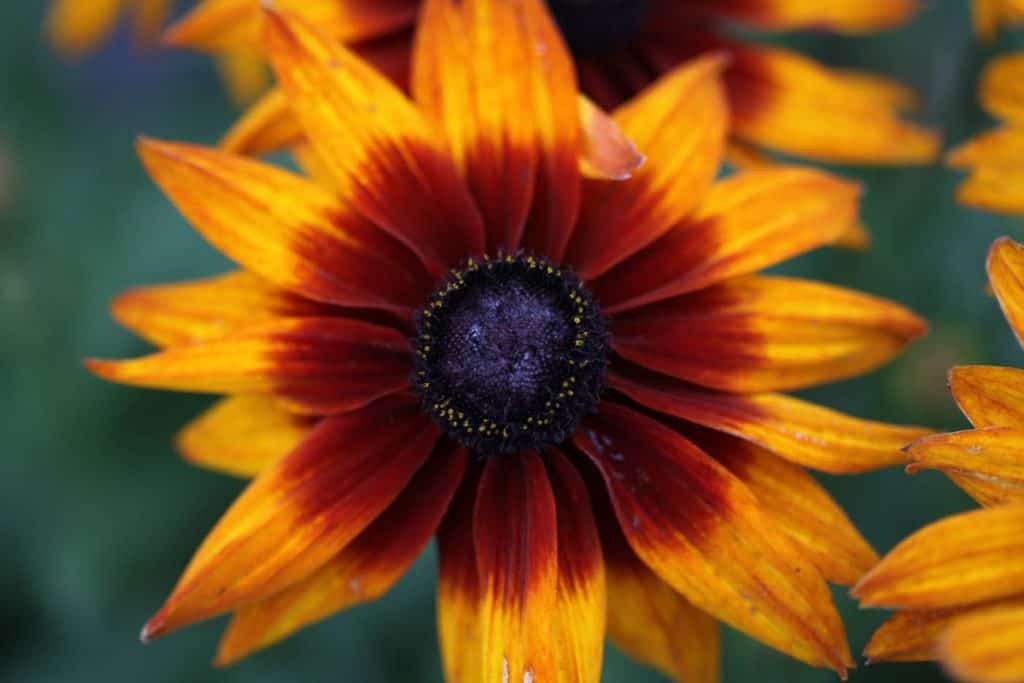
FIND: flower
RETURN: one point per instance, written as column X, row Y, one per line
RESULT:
column 989, row 15
column 587, row 413
column 780, row 99
column 78, row 26
column 959, row 582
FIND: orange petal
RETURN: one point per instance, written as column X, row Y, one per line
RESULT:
column 245, row 73
column 315, row 365
column 607, row 154
column 987, row 463
column 961, row 560
column 75, row 27
column 286, row 229
column 654, row 624
column 790, row 103
column 266, row 126
column 800, row 506
column 908, row 636
column 178, row 314
column 758, row 334
column 680, row 123
column 993, row 189
column 475, row 63
column 985, row 647
column 747, row 222
column 578, row 620
column 364, row 570
column 150, row 16
column 997, row 170
column 703, row 532
column 299, row 513
column 841, row 16
column 1001, row 91
column 215, row 25
column 856, row 237
column 1001, row 148
column 386, row 158
column 515, row 534
column 242, row 435
column 1006, row 273
column 798, row 431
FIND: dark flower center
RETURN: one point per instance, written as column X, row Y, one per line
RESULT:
column 511, row 353
column 595, row 27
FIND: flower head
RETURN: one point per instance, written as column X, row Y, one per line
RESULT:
column 572, row 381
column 780, row 99
column 959, row 583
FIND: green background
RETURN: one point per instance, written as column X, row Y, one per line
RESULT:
column 97, row 513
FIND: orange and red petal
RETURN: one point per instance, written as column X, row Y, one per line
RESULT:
column 286, row 229
column 242, row 435
column 987, row 463
column 364, row 570
column 989, row 396
column 474, row 65
column 790, row 103
column 680, row 123
column 389, row 164
column 799, row 506
column 750, row 221
column 801, row 432
column 515, row 535
column 840, row 16
column 1006, row 274
column 703, row 532
column 965, row 559
column 313, row 365
column 216, row 25
column 986, row 646
column 757, row 334
column 302, row 511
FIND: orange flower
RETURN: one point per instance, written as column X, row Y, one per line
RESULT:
column 589, row 418
column 780, row 99
column 959, row 583
column 989, row 15
column 78, row 26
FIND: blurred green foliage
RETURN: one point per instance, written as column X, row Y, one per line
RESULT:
column 98, row 513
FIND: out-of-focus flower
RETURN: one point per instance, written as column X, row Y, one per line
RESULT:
column 780, row 99
column 996, row 159
column 959, row 583
column 990, row 15
column 627, row 466
column 76, row 27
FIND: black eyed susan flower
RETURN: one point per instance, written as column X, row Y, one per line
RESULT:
column 959, row 583
column 573, row 382
column 780, row 99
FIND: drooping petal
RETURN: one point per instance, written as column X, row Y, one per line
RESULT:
column 242, row 435
column 388, row 162
column 987, row 463
column 578, row 620
column 909, row 636
column 993, row 189
column 364, row 570
column 986, row 647
column 314, row 365
column 989, row 396
column 750, row 221
column 75, row 27
column 841, row 16
column 785, row 101
column 1001, row 148
column 606, row 154
column 216, row 25
column 515, row 534
column 299, row 513
column 653, row 623
column 475, row 64
column 799, row 506
column 1006, row 273
column 757, row 334
column 961, row 560
column 286, row 229
column 1002, row 87
column 178, row 314
column 680, row 124
column 997, row 170
column 702, row 531
column 801, row 432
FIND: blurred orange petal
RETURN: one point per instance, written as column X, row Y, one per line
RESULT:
column 1001, row 91
column 986, row 646
column 841, row 16
column 1006, row 274
column 987, row 463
